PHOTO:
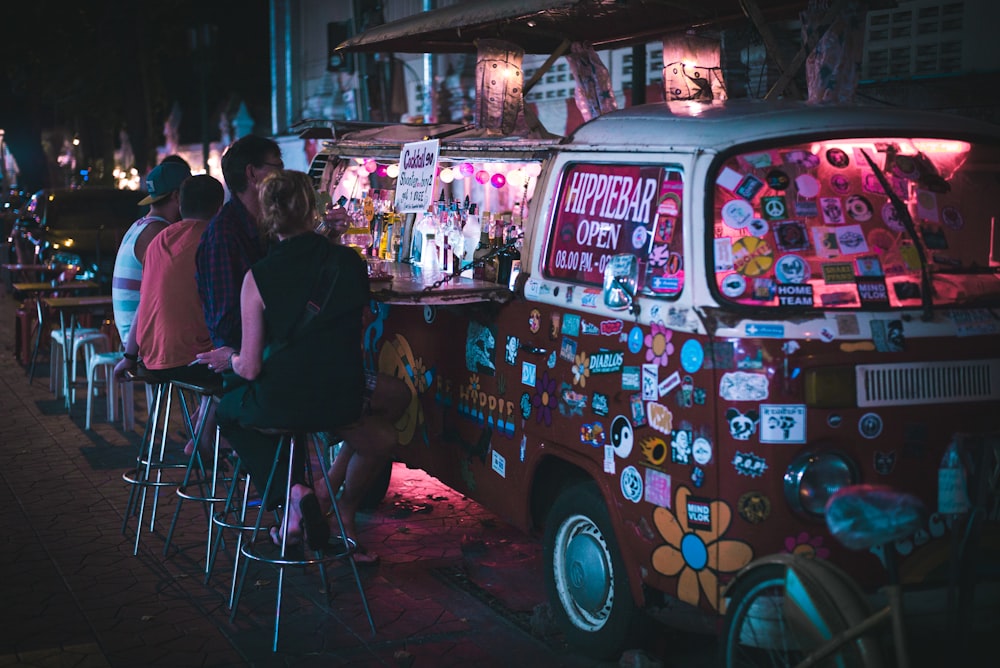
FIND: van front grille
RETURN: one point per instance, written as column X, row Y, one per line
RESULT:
column 927, row 382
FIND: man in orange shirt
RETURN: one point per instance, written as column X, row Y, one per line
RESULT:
column 169, row 329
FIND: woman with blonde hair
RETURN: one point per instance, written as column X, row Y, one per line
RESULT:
column 313, row 378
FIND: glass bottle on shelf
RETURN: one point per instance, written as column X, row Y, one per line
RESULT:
column 508, row 256
column 423, row 227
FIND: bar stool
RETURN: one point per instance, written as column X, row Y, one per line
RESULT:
column 339, row 548
column 150, row 460
column 207, row 483
column 221, row 519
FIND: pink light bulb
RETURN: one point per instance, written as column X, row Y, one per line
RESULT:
column 467, row 169
column 370, row 166
column 482, row 176
column 498, row 180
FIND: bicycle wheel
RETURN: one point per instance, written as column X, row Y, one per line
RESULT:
column 758, row 630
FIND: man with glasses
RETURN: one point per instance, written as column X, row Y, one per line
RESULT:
column 232, row 241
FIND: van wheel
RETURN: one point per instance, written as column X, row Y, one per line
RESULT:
column 585, row 575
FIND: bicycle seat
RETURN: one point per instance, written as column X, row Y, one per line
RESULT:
column 863, row 516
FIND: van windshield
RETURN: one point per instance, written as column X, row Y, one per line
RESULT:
column 869, row 223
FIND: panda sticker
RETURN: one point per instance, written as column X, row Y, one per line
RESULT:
column 742, row 425
column 621, row 436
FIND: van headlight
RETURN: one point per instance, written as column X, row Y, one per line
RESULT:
column 813, row 476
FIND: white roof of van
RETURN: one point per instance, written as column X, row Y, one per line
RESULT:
column 722, row 124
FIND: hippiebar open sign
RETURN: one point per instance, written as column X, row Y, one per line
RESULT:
column 609, row 209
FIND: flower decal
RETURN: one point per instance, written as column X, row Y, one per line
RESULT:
column 474, row 382
column 696, row 556
column 544, row 399
column 659, row 347
column 420, row 375
column 581, row 369
column 806, row 545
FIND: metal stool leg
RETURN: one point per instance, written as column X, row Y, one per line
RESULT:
column 322, row 556
column 195, row 458
column 148, row 461
column 348, row 544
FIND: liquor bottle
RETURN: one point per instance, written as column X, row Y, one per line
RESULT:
column 509, row 258
column 471, row 234
column 397, row 237
column 953, row 493
column 423, row 227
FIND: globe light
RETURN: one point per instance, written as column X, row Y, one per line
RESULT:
column 516, row 178
column 533, row 169
column 482, row 176
column 466, row 169
column 447, row 175
column 370, row 166
column 392, row 171
column 498, row 180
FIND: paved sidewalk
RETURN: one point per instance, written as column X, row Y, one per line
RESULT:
column 456, row 587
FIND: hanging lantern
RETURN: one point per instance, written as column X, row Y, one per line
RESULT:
column 466, row 169
column 482, row 176
column 692, row 69
column 447, row 175
column 498, row 180
column 392, row 171
column 370, row 166
column 499, row 86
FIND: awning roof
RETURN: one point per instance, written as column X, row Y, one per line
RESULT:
column 540, row 26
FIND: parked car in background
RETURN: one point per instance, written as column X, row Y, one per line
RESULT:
column 75, row 226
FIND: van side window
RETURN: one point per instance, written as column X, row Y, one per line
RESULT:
column 811, row 226
column 609, row 209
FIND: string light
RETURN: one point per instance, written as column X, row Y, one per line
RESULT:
column 516, row 178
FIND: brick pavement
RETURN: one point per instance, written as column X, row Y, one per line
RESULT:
column 456, row 586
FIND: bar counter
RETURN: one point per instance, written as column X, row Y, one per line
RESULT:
column 411, row 285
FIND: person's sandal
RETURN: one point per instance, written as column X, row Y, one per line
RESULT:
column 363, row 557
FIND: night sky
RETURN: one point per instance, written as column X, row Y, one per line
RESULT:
column 98, row 67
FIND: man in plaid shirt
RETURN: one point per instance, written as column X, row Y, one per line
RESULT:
column 232, row 242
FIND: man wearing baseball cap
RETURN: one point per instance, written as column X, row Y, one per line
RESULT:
column 162, row 187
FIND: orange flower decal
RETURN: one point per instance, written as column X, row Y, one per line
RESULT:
column 581, row 369
column 697, row 556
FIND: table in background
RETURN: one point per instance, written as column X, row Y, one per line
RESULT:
column 73, row 306
column 36, row 291
column 15, row 272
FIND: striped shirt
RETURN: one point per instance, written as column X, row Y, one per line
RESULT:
column 128, row 276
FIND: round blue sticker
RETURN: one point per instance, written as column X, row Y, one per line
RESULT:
column 692, row 355
column 635, row 340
